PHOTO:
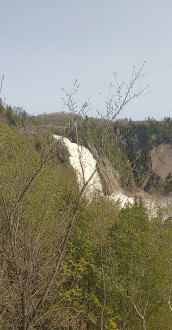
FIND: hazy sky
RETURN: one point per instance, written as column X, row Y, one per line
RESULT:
column 47, row 44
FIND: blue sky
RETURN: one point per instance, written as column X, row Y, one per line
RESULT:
column 47, row 44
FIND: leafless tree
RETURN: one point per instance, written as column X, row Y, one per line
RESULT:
column 32, row 299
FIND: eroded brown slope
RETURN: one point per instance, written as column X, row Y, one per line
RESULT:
column 161, row 157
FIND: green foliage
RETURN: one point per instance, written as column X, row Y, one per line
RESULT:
column 9, row 116
column 128, row 143
column 15, row 116
column 92, row 132
column 112, row 257
column 1, row 108
column 138, row 270
column 168, row 184
column 153, row 183
column 139, row 138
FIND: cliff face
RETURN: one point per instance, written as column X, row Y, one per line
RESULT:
column 149, row 150
column 161, row 162
column 161, row 158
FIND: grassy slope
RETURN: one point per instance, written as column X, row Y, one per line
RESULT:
column 51, row 189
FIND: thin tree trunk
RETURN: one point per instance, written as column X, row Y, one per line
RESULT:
column 61, row 255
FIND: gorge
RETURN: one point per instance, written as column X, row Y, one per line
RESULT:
column 85, row 166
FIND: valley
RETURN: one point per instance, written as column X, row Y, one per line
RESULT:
column 86, row 230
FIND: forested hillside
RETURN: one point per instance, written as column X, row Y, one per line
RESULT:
column 72, row 263
column 148, row 145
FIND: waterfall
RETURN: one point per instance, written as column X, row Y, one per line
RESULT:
column 85, row 167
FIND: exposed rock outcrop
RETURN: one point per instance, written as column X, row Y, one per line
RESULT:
column 161, row 157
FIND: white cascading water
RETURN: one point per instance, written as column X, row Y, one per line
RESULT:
column 84, row 165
